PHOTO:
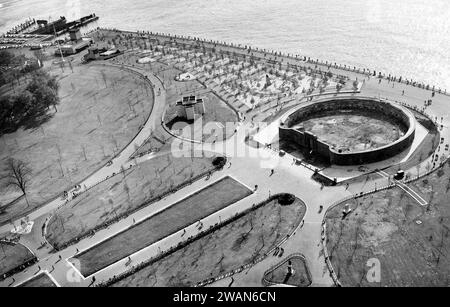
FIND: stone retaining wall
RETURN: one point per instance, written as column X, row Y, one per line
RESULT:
column 310, row 142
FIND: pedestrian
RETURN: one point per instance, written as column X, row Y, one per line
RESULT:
column 290, row 270
column 271, row 172
column 320, row 208
column 277, row 249
column 303, row 223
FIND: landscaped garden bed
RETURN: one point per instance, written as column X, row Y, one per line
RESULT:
column 122, row 195
column 187, row 211
column 240, row 241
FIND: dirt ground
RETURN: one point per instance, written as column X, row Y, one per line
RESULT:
column 121, row 194
column 353, row 132
column 411, row 242
column 101, row 110
column 11, row 256
column 223, row 250
column 197, row 206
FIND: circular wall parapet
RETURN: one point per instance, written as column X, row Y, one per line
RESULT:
column 397, row 123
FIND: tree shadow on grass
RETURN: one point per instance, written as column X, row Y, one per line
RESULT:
column 177, row 119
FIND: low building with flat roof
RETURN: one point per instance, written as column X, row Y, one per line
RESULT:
column 190, row 107
column 75, row 47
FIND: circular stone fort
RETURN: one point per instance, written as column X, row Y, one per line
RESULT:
column 349, row 130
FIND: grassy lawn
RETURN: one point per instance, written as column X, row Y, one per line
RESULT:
column 279, row 275
column 226, row 248
column 122, row 194
column 159, row 141
column 40, row 281
column 384, row 226
column 12, row 256
column 195, row 207
column 93, row 122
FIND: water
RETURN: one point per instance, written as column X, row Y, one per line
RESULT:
column 402, row 37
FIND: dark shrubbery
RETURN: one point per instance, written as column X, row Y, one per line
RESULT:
column 219, row 162
column 31, row 104
column 286, row 199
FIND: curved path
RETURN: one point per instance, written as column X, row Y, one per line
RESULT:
column 120, row 160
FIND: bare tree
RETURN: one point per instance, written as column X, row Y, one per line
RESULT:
column 60, row 160
column 432, row 195
column 17, row 176
column 70, row 65
column 104, row 77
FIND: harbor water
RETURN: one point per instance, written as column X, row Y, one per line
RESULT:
column 404, row 37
